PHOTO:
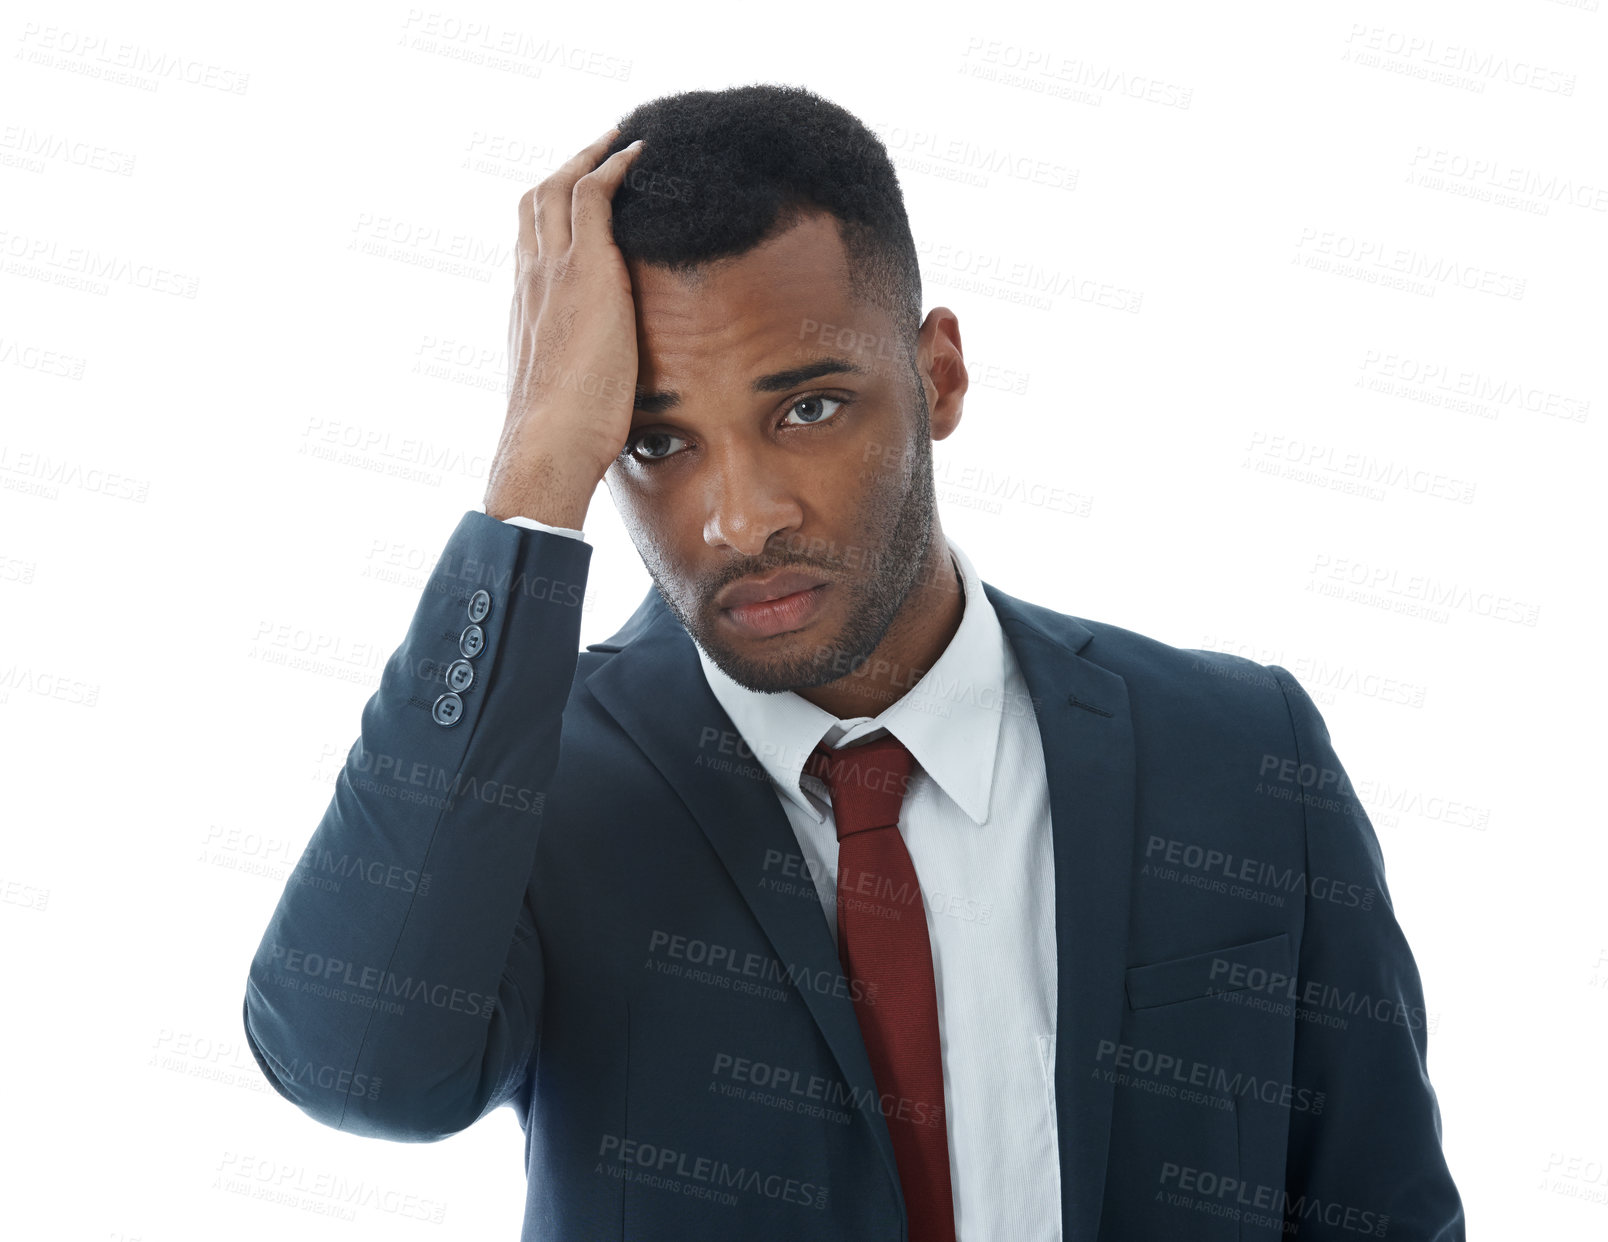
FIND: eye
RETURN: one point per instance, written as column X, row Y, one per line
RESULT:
column 817, row 400
column 648, row 437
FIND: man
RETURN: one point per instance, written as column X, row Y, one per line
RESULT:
column 839, row 894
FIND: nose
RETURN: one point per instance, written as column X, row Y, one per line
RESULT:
column 748, row 503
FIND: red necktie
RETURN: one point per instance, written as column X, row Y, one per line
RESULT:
column 882, row 942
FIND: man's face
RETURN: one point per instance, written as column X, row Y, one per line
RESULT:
column 748, row 472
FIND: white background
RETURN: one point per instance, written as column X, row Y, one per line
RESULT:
column 244, row 407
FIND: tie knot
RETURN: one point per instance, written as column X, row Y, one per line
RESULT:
column 867, row 782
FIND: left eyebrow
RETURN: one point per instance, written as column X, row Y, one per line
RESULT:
column 781, row 381
column 778, row 381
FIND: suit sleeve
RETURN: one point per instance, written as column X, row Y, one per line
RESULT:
column 397, row 990
column 1370, row 1164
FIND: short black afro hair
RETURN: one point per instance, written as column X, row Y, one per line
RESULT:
column 722, row 171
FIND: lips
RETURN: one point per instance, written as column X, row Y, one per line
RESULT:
column 772, row 618
column 758, row 590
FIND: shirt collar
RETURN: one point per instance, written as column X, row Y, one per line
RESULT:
column 949, row 720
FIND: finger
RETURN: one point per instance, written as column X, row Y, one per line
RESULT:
column 525, row 246
column 552, row 196
column 594, row 198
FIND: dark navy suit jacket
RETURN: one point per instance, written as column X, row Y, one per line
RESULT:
column 566, row 902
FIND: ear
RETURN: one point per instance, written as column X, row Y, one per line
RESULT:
column 942, row 369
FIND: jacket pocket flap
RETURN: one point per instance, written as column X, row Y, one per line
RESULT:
column 1187, row 978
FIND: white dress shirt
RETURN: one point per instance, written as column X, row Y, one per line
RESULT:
column 976, row 820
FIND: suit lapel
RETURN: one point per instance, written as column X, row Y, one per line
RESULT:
column 742, row 818
column 1087, row 735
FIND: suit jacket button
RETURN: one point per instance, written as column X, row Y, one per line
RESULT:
column 479, row 606
column 460, row 673
column 448, row 708
column 472, row 641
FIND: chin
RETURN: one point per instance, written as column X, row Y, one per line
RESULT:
column 772, row 665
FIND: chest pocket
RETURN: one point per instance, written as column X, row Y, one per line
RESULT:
column 1262, row 964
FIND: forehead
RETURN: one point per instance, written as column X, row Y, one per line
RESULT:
column 786, row 300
